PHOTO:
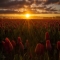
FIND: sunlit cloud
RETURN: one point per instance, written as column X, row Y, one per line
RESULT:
column 19, row 6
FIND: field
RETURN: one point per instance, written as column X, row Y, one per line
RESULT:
column 30, row 39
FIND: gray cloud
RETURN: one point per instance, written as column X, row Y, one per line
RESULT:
column 3, row 1
column 51, row 1
column 11, row 3
column 7, row 11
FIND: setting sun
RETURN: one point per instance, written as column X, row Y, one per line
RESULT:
column 27, row 15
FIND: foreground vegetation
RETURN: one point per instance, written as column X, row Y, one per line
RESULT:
column 29, row 39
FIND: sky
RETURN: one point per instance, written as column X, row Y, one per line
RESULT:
column 19, row 6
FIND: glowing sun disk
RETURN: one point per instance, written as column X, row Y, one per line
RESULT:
column 27, row 15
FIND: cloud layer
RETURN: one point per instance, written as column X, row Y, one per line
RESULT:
column 9, row 3
column 10, row 6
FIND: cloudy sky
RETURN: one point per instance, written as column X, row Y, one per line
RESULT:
column 15, row 6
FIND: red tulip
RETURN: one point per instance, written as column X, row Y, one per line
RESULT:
column 58, row 45
column 9, row 44
column 4, row 46
column 13, row 43
column 3, row 43
column 27, row 43
column 47, row 37
column 48, row 45
column 21, row 46
column 39, row 50
column 19, row 40
column 7, row 40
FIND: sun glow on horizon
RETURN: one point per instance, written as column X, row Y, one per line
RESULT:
column 27, row 15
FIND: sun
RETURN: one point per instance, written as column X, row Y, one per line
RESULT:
column 27, row 15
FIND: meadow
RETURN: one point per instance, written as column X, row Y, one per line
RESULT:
column 30, row 39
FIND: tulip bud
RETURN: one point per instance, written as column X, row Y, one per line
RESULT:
column 47, row 37
column 58, row 45
column 39, row 50
column 48, row 45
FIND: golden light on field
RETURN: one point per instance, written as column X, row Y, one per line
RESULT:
column 27, row 15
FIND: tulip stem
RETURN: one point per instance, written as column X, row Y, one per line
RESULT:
column 38, row 57
column 47, row 56
column 59, row 55
column 18, row 57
